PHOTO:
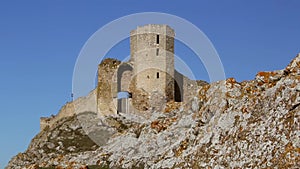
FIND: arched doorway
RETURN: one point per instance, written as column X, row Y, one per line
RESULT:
column 124, row 76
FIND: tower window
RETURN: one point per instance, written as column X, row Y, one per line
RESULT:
column 157, row 51
column 157, row 75
column 157, row 39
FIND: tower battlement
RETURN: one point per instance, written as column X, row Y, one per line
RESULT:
column 153, row 28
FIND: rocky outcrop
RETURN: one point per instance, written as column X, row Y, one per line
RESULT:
column 252, row 124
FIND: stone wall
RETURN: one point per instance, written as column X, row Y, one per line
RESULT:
column 107, row 86
column 185, row 88
column 149, row 76
column 82, row 104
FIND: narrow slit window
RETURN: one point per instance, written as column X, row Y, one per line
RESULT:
column 157, row 75
column 157, row 51
column 157, row 39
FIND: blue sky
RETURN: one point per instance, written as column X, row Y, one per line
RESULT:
column 40, row 41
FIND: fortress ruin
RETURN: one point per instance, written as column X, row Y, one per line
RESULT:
column 148, row 81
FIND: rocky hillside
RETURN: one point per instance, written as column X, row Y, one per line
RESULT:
column 252, row 124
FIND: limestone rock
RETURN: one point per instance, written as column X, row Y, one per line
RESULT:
column 252, row 124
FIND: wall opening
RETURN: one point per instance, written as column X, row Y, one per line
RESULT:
column 157, row 51
column 178, row 87
column 157, row 39
column 157, row 75
column 123, row 101
column 124, row 75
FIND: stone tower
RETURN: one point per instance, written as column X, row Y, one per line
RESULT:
column 152, row 55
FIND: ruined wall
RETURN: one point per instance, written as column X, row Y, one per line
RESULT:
column 107, row 86
column 185, row 88
column 149, row 75
column 99, row 100
column 82, row 104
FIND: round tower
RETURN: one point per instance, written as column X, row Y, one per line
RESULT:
column 152, row 55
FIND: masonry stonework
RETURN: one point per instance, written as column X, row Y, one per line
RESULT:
column 153, row 60
column 149, row 78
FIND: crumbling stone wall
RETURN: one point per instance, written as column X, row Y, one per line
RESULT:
column 99, row 100
column 149, row 76
column 82, row 104
column 185, row 88
column 107, row 86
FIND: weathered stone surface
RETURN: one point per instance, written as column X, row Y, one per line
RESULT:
column 107, row 86
column 82, row 104
column 252, row 124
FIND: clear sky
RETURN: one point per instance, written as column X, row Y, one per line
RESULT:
column 40, row 41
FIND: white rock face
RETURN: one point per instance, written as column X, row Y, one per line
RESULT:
column 253, row 124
